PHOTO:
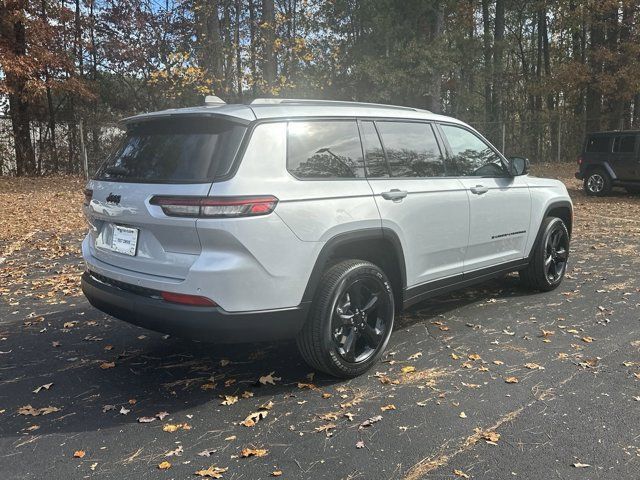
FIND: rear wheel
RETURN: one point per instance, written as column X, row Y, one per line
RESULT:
column 597, row 183
column 351, row 320
column 550, row 254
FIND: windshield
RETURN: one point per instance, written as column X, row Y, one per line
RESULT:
column 195, row 149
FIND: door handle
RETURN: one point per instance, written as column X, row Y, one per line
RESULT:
column 394, row 194
column 479, row 189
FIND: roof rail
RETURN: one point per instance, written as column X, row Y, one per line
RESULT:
column 305, row 101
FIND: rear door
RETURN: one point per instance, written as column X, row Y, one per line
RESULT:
column 429, row 212
column 169, row 157
column 500, row 205
column 624, row 159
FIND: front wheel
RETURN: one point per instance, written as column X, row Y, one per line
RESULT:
column 549, row 257
column 351, row 320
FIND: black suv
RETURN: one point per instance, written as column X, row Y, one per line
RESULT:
column 610, row 159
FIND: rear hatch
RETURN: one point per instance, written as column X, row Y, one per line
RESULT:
column 176, row 156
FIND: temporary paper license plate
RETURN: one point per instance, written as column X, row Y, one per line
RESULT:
column 124, row 240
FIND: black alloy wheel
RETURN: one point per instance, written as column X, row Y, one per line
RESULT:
column 361, row 319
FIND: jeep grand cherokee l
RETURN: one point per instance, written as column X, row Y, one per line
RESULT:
column 312, row 220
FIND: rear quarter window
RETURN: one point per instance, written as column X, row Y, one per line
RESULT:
column 598, row 144
column 178, row 150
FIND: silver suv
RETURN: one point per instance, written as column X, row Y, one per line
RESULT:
column 312, row 220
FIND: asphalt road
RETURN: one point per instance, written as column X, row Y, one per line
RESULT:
column 494, row 382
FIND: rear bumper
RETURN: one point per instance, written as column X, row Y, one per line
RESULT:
column 211, row 324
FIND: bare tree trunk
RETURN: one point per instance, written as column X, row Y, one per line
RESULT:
column 239, row 75
column 594, row 95
column 209, row 41
column 268, row 32
column 13, row 35
column 486, row 48
column 498, row 48
column 252, row 47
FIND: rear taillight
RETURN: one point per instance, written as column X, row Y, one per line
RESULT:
column 185, row 299
column 216, row 207
column 88, row 195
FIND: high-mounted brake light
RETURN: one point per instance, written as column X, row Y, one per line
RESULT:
column 216, row 207
column 88, row 195
column 185, row 299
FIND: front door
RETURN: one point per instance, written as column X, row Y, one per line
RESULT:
column 430, row 213
column 500, row 205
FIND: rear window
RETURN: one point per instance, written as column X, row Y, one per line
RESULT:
column 178, row 150
column 598, row 144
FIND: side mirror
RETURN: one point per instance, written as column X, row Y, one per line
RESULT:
column 519, row 166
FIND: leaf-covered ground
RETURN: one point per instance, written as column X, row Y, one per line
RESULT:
column 490, row 382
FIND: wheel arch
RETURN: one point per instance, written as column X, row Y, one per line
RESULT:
column 562, row 209
column 380, row 246
column 600, row 166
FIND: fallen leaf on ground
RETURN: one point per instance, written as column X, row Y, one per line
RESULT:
column 370, row 421
column 106, row 365
column 269, row 379
column 253, row 452
column 498, row 362
column 229, row 400
column 474, row 356
column 511, row 380
column 388, row 407
column 533, row 366
column 208, row 452
column 164, row 465
column 79, row 454
column 254, row 418
column 581, row 465
column 462, row 415
column 177, row 452
column 34, row 412
column 491, row 436
column 171, row 427
column 124, row 411
column 146, row 419
column 408, row 369
column 276, row 473
column 46, row 386
column 587, row 339
column 326, row 428
column 415, row 356
column 460, row 473
column 359, row 444
column 212, row 472
column 161, row 415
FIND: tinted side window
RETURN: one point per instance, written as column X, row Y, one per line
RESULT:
column 324, row 149
column 412, row 149
column 471, row 156
column 598, row 144
column 376, row 162
column 624, row 144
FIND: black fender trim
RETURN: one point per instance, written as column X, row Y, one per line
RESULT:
column 355, row 236
column 552, row 206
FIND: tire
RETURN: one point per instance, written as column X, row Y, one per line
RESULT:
column 339, row 338
column 550, row 255
column 632, row 190
column 597, row 183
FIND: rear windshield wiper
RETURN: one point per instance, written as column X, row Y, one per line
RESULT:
column 116, row 170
